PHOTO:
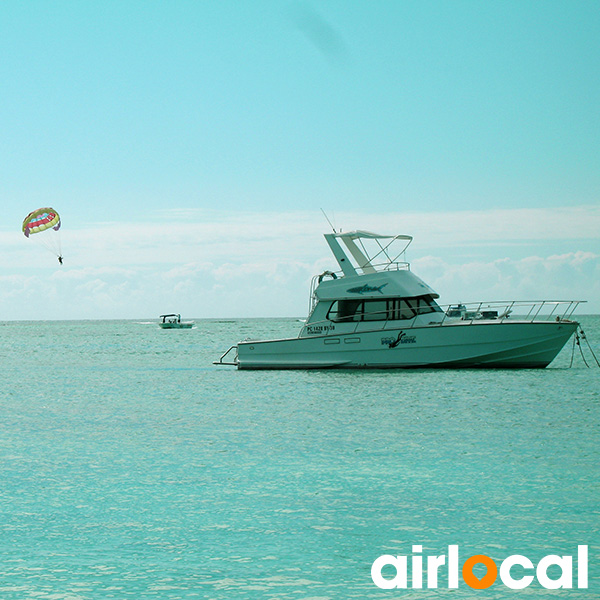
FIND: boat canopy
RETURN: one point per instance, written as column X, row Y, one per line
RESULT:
column 361, row 233
column 172, row 315
column 370, row 251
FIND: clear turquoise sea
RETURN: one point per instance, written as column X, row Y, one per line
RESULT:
column 131, row 467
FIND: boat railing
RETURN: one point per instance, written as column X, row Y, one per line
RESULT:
column 521, row 310
column 392, row 266
column 464, row 314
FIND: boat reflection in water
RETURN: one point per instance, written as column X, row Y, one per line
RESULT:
column 376, row 313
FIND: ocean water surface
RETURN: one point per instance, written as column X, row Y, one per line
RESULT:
column 131, row 467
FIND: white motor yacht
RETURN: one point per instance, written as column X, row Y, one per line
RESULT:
column 376, row 313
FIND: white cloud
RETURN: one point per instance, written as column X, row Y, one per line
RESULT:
column 572, row 276
column 218, row 264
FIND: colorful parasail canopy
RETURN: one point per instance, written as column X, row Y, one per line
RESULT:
column 40, row 220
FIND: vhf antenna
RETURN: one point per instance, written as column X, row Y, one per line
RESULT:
column 330, row 224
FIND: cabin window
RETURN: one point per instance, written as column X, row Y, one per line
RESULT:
column 405, row 309
column 345, row 310
column 392, row 309
column 427, row 305
column 375, row 310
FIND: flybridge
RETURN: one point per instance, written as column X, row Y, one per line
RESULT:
column 371, row 252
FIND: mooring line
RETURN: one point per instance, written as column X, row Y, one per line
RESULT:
column 584, row 337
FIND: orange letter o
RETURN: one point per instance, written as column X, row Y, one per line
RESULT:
column 487, row 580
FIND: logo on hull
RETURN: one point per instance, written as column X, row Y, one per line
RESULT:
column 403, row 338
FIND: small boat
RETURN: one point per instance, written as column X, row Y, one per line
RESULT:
column 376, row 313
column 174, row 321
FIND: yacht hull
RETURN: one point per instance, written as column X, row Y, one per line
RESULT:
column 491, row 344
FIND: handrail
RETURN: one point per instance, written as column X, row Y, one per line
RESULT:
column 505, row 310
column 221, row 360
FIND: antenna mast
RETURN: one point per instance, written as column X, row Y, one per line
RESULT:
column 330, row 224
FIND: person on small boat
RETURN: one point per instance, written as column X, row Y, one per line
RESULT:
column 60, row 259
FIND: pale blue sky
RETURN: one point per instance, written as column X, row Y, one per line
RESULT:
column 120, row 111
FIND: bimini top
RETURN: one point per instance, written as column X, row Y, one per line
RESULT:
column 361, row 233
column 164, row 317
column 371, row 252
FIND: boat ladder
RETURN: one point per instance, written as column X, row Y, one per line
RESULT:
column 222, row 360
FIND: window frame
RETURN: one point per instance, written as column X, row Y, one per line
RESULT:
column 397, row 309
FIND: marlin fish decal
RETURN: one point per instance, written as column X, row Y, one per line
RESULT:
column 365, row 289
